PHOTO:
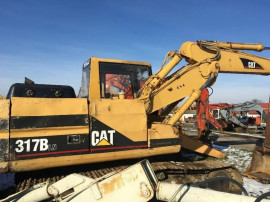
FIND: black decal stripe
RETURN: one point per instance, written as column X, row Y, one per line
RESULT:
column 164, row 142
column 80, row 151
column 53, row 153
column 58, row 145
column 120, row 148
column 119, row 139
column 246, row 66
column 21, row 122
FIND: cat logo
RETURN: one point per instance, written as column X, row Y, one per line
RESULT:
column 102, row 138
column 251, row 65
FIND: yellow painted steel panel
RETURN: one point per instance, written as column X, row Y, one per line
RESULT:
column 52, row 131
column 4, row 108
column 197, row 146
column 128, row 117
column 161, row 131
column 120, row 61
column 4, row 134
column 39, row 107
column 4, row 118
column 3, row 167
column 43, row 163
column 94, row 87
column 48, row 106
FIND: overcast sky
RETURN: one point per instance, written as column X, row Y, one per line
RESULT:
column 48, row 41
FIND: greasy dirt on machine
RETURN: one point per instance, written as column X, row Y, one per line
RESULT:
column 198, row 171
column 4, row 134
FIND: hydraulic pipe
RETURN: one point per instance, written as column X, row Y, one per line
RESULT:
column 160, row 75
column 236, row 46
column 171, row 64
column 193, row 97
column 181, row 110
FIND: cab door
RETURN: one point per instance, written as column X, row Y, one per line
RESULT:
column 118, row 120
column 117, row 125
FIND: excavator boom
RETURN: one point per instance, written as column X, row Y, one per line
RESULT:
column 206, row 60
column 229, row 60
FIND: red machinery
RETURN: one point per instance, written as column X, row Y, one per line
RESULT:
column 119, row 82
column 204, row 116
column 227, row 117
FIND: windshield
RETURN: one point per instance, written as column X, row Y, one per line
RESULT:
column 84, row 91
column 118, row 78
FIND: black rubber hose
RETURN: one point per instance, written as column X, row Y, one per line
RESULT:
column 220, row 178
column 261, row 197
column 186, row 191
column 195, row 184
column 207, row 48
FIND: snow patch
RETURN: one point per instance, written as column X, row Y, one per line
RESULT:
column 241, row 160
column 237, row 157
column 255, row 188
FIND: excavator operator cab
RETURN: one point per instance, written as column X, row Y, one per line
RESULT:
column 115, row 77
column 216, row 113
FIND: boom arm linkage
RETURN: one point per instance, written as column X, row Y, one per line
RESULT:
column 247, row 106
column 206, row 59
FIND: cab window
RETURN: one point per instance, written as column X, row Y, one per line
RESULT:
column 118, row 78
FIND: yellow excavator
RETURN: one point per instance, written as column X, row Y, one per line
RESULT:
column 122, row 111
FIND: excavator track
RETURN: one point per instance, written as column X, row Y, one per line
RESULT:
column 171, row 171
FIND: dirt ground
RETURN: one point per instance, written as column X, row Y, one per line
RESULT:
column 245, row 143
